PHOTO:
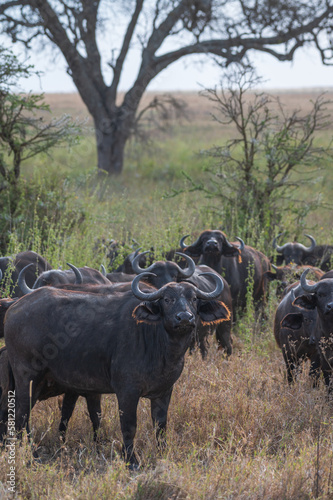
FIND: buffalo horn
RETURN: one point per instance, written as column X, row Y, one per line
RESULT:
column 313, row 243
column 78, row 275
column 1, row 275
column 242, row 244
column 135, row 262
column 306, row 287
column 142, row 295
column 215, row 293
column 181, row 243
column 275, row 245
column 189, row 270
column 103, row 270
column 21, row 280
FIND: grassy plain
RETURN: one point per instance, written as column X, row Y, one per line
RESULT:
column 236, row 430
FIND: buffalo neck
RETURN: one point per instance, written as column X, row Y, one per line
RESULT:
column 212, row 260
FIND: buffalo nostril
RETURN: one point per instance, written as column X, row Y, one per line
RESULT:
column 184, row 316
column 329, row 307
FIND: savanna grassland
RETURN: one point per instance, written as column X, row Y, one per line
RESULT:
column 236, row 430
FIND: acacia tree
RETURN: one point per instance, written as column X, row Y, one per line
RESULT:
column 259, row 174
column 24, row 131
column 163, row 31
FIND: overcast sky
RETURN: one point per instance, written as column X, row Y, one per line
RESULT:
column 306, row 71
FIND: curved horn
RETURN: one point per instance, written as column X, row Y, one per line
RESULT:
column 135, row 263
column 306, row 287
column 275, row 245
column 142, row 295
column 181, row 243
column 1, row 275
column 189, row 270
column 274, row 267
column 78, row 275
column 21, row 281
column 103, row 270
column 242, row 244
column 215, row 293
column 313, row 243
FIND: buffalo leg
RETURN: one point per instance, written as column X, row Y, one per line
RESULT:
column 159, row 415
column 128, row 404
column 23, row 406
column 94, row 408
column 68, row 406
column 314, row 372
column 291, row 365
column 223, row 337
column 202, row 333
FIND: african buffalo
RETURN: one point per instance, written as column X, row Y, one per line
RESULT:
column 48, row 389
column 4, row 306
column 11, row 267
column 314, row 255
column 57, row 277
column 245, row 269
column 293, row 332
column 319, row 298
column 166, row 272
column 131, row 343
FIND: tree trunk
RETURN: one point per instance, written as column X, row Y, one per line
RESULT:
column 111, row 139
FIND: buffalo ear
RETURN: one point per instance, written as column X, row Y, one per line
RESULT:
column 293, row 321
column 194, row 250
column 305, row 301
column 270, row 276
column 213, row 312
column 146, row 312
column 231, row 251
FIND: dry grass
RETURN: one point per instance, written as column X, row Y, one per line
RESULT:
column 236, row 430
column 197, row 105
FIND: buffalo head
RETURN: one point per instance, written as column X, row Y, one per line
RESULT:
column 294, row 252
column 179, row 304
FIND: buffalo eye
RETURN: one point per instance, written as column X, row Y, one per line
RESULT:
column 321, row 294
column 169, row 300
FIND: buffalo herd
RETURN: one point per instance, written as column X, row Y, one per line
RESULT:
column 85, row 332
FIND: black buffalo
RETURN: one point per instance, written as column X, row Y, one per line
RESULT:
column 294, row 252
column 47, row 390
column 164, row 272
column 4, row 306
column 242, row 266
column 293, row 332
column 11, row 267
column 131, row 343
column 319, row 298
column 57, row 277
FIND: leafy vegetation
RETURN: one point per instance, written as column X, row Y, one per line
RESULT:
column 24, row 132
column 257, row 175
